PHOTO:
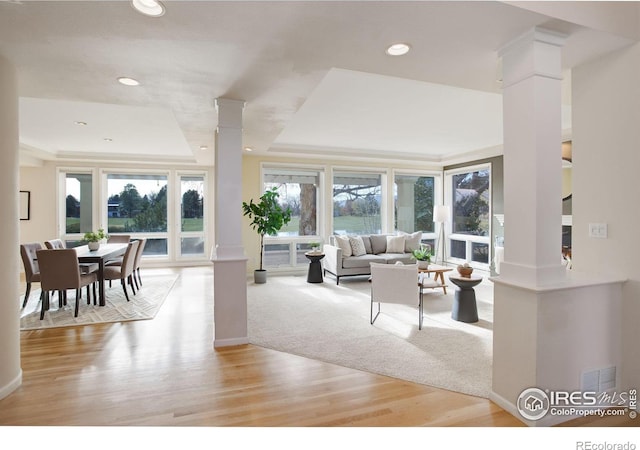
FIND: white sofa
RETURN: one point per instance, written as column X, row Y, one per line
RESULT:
column 340, row 260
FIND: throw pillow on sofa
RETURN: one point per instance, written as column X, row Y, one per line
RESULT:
column 411, row 241
column 395, row 244
column 378, row 243
column 344, row 244
column 367, row 244
column 357, row 246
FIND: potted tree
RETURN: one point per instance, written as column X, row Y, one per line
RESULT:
column 93, row 238
column 267, row 217
column 423, row 256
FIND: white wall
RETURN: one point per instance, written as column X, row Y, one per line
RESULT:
column 606, row 161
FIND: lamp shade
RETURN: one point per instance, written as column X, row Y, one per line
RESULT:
column 441, row 213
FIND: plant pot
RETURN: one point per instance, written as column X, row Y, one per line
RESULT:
column 423, row 264
column 260, row 276
column 93, row 246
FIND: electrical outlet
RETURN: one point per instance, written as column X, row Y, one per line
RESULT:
column 598, row 230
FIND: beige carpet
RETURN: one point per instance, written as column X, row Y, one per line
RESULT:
column 331, row 323
column 144, row 305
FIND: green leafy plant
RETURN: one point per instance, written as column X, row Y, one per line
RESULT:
column 422, row 254
column 97, row 236
column 267, row 216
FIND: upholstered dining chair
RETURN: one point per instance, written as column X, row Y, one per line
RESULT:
column 54, row 244
column 119, row 239
column 391, row 283
column 31, row 269
column 124, row 272
column 136, row 264
column 59, row 271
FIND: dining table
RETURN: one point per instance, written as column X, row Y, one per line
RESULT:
column 104, row 254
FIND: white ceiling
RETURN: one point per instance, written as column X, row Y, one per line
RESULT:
column 314, row 74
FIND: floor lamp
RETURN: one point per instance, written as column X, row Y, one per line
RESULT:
column 442, row 214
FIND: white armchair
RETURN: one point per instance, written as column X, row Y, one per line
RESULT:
column 391, row 283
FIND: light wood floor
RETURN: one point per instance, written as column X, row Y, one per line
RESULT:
column 165, row 372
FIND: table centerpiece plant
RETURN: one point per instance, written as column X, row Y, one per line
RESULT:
column 93, row 239
column 422, row 255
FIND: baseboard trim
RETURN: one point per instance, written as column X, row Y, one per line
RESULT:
column 217, row 343
column 11, row 386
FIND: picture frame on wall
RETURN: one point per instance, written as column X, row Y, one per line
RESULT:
column 25, row 205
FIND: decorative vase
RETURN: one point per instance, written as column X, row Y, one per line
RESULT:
column 423, row 264
column 93, row 246
column 465, row 271
column 260, row 276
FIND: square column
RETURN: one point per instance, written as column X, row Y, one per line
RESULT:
column 229, row 260
column 10, row 371
column 532, row 159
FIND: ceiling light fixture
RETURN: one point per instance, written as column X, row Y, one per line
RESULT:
column 398, row 49
column 203, row 147
column 79, row 122
column 248, row 149
column 128, row 81
column 151, row 8
column 107, row 139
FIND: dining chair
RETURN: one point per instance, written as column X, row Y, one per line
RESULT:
column 31, row 269
column 136, row 264
column 124, row 272
column 59, row 271
column 54, row 244
column 119, row 239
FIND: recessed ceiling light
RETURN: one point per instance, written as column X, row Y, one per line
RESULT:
column 107, row 139
column 151, row 8
column 128, row 81
column 248, row 149
column 79, row 122
column 398, row 49
column 203, row 147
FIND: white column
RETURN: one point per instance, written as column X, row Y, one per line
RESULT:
column 532, row 158
column 229, row 260
column 10, row 372
column 549, row 327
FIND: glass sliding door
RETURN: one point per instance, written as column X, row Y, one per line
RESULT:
column 192, row 226
column 77, row 206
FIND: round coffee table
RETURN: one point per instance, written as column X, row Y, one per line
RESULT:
column 315, row 268
column 464, row 304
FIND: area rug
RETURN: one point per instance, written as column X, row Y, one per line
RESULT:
column 144, row 305
column 331, row 323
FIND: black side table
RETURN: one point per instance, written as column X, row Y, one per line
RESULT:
column 464, row 304
column 315, row 267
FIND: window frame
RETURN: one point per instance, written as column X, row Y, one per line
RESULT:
column 467, row 238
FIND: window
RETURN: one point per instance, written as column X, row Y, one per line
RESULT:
column 298, row 189
column 356, row 203
column 413, row 200
column 137, row 204
column 78, row 203
column 191, row 215
column 471, row 197
column 469, row 194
